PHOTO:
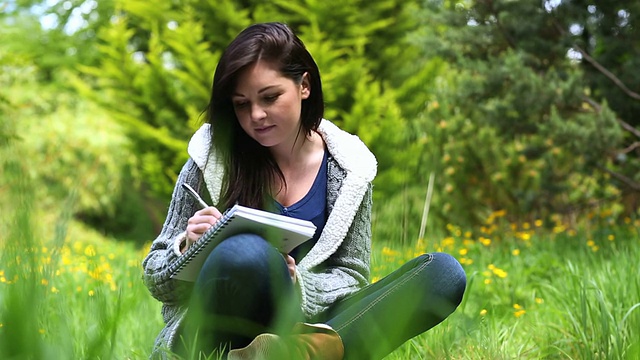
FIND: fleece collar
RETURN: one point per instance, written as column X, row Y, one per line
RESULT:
column 348, row 150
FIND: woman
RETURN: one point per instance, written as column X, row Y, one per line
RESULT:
column 266, row 145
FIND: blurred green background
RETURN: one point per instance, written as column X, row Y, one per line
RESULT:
column 526, row 112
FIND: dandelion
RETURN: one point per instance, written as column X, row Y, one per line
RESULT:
column 611, row 237
column 591, row 243
column 595, row 248
column 526, row 226
column 483, row 312
column 515, row 252
column 500, row 273
column 519, row 313
column 54, row 290
column 374, row 280
column 44, row 282
column 386, row 251
column 487, row 281
column 463, row 252
column 485, row 241
column 538, row 223
column 91, row 293
column 539, row 300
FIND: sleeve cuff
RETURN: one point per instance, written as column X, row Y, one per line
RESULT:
column 181, row 244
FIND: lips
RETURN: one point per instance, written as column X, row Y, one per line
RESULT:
column 263, row 129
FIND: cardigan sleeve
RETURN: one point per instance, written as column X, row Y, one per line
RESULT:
column 344, row 272
column 161, row 255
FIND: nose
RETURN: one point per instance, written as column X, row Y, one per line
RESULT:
column 257, row 112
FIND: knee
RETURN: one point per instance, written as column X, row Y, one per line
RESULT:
column 453, row 279
column 242, row 254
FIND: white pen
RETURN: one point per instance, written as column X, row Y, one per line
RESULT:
column 194, row 195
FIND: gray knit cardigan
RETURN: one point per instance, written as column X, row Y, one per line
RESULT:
column 335, row 267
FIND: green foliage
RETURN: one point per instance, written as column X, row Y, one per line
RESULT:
column 158, row 58
column 519, row 130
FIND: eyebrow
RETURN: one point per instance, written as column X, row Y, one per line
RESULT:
column 266, row 88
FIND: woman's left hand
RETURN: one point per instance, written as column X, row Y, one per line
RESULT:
column 291, row 264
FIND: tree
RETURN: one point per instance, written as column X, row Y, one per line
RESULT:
column 538, row 129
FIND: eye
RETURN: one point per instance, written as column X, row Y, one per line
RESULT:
column 240, row 104
column 271, row 98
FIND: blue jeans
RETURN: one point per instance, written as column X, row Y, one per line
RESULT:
column 244, row 289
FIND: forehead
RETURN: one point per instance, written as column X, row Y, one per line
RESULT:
column 259, row 75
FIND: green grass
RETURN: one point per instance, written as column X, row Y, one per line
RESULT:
column 68, row 292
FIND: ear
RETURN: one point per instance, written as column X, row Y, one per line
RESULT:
column 305, row 86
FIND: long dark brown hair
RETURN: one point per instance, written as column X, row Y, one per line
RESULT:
column 250, row 170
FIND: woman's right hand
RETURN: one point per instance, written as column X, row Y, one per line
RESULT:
column 201, row 221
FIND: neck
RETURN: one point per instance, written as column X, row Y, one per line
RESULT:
column 296, row 154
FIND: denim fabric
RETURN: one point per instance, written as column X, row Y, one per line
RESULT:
column 382, row 316
column 244, row 289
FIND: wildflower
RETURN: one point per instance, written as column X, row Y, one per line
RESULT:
column 487, row 281
column 463, row 252
column 500, row 273
column 44, row 282
column 519, row 313
column 515, row 252
column 611, row 237
column 448, row 188
column 485, row 241
column 386, row 251
column 450, row 170
column 517, row 306
column 90, row 251
column 591, row 243
column 539, row 300
column 54, row 290
column 375, row 279
column 538, row 223
column 595, row 248
column 526, row 226
column 483, row 312
column 91, row 293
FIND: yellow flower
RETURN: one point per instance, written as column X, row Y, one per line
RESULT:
column 387, row 251
column 91, row 292
column 611, row 237
column 500, row 273
column 539, row 300
column 591, row 243
column 519, row 313
column 44, row 282
column 517, row 306
column 485, row 241
column 375, row 279
column 483, row 312
column 54, row 290
column 515, row 252
column 538, row 223
column 487, row 281
column 463, row 252
column 595, row 248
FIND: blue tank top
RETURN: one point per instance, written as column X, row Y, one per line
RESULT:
column 312, row 207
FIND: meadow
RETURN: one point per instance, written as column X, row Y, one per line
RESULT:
column 535, row 290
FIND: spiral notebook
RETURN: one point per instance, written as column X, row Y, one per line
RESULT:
column 285, row 233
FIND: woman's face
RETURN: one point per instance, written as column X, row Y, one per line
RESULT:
column 268, row 104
